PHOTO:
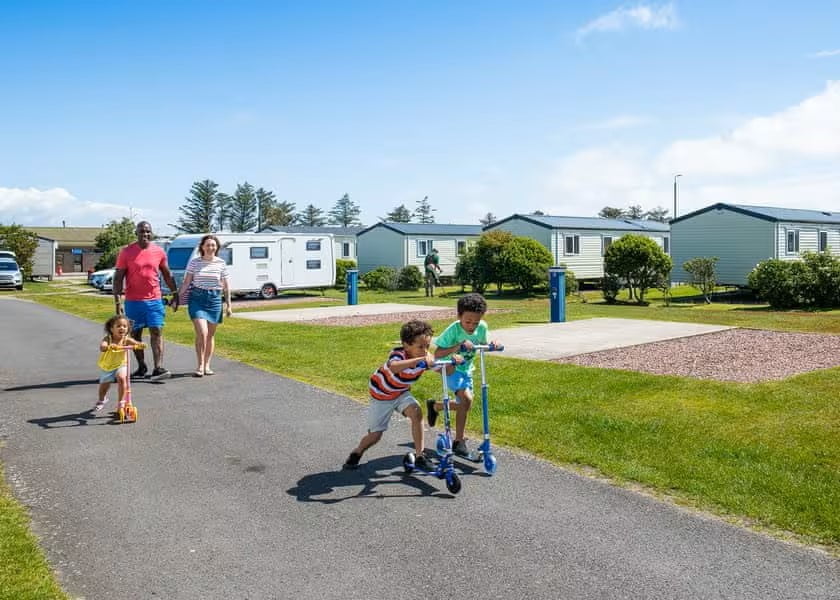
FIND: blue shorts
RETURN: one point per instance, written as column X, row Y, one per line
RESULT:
column 145, row 313
column 459, row 381
column 110, row 376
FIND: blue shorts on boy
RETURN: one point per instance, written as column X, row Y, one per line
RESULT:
column 390, row 392
column 455, row 335
column 145, row 313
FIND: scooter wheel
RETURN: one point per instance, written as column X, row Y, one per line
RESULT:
column 121, row 415
column 453, row 483
column 134, row 414
column 489, row 463
column 408, row 462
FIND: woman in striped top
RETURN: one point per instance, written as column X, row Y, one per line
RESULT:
column 205, row 283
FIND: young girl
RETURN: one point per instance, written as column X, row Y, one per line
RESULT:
column 112, row 361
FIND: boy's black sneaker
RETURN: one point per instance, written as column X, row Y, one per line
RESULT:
column 460, row 448
column 352, row 461
column 160, row 373
column 431, row 412
column 141, row 371
column 423, row 463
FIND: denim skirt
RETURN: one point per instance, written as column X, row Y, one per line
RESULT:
column 205, row 304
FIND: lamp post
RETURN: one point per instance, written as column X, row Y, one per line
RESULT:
column 675, row 193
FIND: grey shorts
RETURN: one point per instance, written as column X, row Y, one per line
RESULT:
column 379, row 411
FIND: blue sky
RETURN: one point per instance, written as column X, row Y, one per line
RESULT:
column 113, row 108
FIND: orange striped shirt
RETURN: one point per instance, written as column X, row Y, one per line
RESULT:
column 387, row 385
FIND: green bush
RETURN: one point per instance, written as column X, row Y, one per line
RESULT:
column 467, row 271
column 610, row 287
column 341, row 266
column 572, row 284
column 813, row 282
column 639, row 262
column 410, row 278
column 524, row 262
column 381, row 278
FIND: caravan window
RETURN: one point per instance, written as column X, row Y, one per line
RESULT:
column 178, row 258
column 226, row 254
column 313, row 264
column 259, row 252
column 313, row 245
column 792, row 241
column 823, row 241
column 345, row 249
column 572, row 244
column 424, row 247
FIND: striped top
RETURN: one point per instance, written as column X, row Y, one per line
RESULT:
column 208, row 274
column 387, row 385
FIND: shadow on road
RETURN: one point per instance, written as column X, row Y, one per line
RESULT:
column 52, row 385
column 87, row 417
column 380, row 478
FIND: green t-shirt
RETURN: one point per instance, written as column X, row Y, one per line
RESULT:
column 432, row 260
column 456, row 335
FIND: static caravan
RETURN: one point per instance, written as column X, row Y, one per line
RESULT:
column 43, row 262
column 263, row 263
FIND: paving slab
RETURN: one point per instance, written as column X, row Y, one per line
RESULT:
column 556, row 340
column 326, row 312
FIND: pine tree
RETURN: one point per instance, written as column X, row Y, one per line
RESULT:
column 199, row 208
column 281, row 213
column 310, row 216
column 424, row 211
column 243, row 208
column 635, row 212
column 609, row 212
column 345, row 212
column 657, row 214
column 265, row 202
column 488, row 219
column 399, row 215
column 223, row 211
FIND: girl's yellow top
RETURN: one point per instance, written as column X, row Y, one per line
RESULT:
column 111, row 359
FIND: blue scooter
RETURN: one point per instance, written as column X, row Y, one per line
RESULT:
column 445, row 468
column 484, row 453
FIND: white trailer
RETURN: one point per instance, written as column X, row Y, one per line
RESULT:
column 43, row 262
column 263, row 263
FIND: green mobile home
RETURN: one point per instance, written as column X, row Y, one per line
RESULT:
column 742, row 236
column 580, row 242
column 402, row 244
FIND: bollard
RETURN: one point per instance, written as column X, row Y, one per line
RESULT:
column 352, row 286
column 557, row 293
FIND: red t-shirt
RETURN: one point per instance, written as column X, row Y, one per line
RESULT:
column 141, row 271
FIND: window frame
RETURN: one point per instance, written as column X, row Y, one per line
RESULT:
column 822, row 235
column 666, row 244
column 345, row 250
column 427, row 246
column 604, row 245
column 791, row 239
column 575, row 239
column 252, row 255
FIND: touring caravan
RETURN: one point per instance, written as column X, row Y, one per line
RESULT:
column 263, row 263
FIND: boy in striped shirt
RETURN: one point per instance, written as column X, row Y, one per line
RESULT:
column 390, row 391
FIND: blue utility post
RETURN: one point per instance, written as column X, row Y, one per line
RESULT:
column 557, row 293
column 352, row 286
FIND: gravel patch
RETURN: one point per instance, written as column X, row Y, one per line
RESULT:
column 740, row 355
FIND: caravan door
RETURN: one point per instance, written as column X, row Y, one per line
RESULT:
column 287, row 261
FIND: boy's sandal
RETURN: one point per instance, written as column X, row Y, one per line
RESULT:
column 209, row 372
column 198, row 373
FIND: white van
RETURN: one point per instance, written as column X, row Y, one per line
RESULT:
column 263, row 263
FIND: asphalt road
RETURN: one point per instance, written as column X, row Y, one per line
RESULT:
column 231, row 487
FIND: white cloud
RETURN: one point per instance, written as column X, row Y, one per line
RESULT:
column 786, row 159
column 825, row 53
column 642, row 16
column 55, row 207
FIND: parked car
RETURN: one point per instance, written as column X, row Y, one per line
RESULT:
column 10, row 275
column 108, row 283
column 98, row 278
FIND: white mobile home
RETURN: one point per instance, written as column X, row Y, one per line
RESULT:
column 580, row 242
column 263, row 263
column 344, row 238
column 400, row 245
column 742, row 236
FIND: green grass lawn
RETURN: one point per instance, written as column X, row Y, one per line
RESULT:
column 766, row 455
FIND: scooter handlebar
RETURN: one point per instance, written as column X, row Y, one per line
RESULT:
column 486, row 347
column 438, row 363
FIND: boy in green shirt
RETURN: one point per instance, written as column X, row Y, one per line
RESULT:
column 460, row 337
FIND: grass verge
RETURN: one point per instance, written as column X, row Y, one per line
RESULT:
column 766, row 455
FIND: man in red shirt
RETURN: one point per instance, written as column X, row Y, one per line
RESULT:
column 137, row 267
